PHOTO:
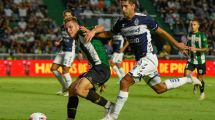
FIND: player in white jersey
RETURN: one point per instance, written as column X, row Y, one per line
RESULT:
column 118, row 53
column 64, row 58
column 135, row 27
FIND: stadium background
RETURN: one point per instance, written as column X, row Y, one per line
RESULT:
column 28, row 29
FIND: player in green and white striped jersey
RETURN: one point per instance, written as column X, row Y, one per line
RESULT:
column 86, row 84
column 197, row 42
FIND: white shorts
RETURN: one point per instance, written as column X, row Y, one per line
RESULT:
column 117, row 57
column 145, row 67
column 65, row 58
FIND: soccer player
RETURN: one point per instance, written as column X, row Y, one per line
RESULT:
column 64, row 58
column 136, row 28
column 86, row 84
column 197, row 42
column 118, row 52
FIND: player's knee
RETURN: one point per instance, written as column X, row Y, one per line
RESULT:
column 52, row 69
column 126, row 82
column 159, row 88
column 80, row 91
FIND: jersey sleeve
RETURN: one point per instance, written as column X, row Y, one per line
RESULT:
column 151, row 23
column 204, row 41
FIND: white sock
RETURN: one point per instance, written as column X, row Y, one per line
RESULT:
column 59, row 78
column 115, row 68
column 177, row 82
column 121, row 99
column 122, row 71
column 68, row 79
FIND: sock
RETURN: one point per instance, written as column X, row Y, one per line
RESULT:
column 121, row 99
column 202, row 88
column 122, row 71
column 107, row 104
column 59, row 78
column 95, row 98
column 72, row 107
column 177, row 82
column 115, row 68
column 68, row 79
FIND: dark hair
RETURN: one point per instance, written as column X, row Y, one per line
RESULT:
column 131, row 1
column 196, row 19
column 136, row 2
column 68, row 10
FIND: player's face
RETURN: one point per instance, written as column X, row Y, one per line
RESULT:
column 128, row 9
column 194, row 26
column 72, row 28
column 67, row 15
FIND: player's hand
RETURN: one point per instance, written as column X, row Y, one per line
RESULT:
column 193, row 49
column 80, row 56
column 84, row 29
column 185, row 52
column 89, row 35
column 121, row 50
column 182, row 46
column 57, row 43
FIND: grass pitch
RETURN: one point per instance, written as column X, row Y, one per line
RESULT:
column 21, row 96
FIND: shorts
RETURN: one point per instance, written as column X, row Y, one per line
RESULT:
column 145, row 67
column 117, row 57
column 97, row 75
column 65, row 58
column 201, row 68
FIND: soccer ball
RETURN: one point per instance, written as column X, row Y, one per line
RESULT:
column 38, row 116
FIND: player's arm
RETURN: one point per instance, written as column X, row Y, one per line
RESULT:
column 125, row 46
column 193, row 49
column 167, row 36
column 89, row 34
column 105, row 35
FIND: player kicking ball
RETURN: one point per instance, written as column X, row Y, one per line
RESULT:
column 136, row 28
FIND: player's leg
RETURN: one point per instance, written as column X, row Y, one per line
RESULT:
column 67, row 62
column 113, row 62
column 129, row 79
column 85, row 89
column 73, row 101
column 91, row 80
column 54, row 68
column 189, row 68
column 160, row 87
column 201, row 69
column 122, row 97
column 119, row 65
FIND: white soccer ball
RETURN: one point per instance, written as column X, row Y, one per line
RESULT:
column 38, row 116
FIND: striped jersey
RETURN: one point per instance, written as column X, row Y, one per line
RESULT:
column 197, row 40
column 67, row 43
column 117, row 42
column 137, row 32
column 94, row 50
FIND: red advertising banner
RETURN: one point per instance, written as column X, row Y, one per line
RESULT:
column 42, row 67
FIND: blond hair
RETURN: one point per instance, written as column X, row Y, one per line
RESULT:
column 72, row 18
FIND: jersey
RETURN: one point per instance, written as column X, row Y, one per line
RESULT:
column 117, row 42
column 137, row 32
column 94, row 50
column 197, row 40
column 67, row 43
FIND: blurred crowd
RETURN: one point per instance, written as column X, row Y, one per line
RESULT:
column 25, row 26
column 90, row 7
column 178, row 13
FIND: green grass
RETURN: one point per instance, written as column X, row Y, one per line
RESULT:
column 21, row 96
